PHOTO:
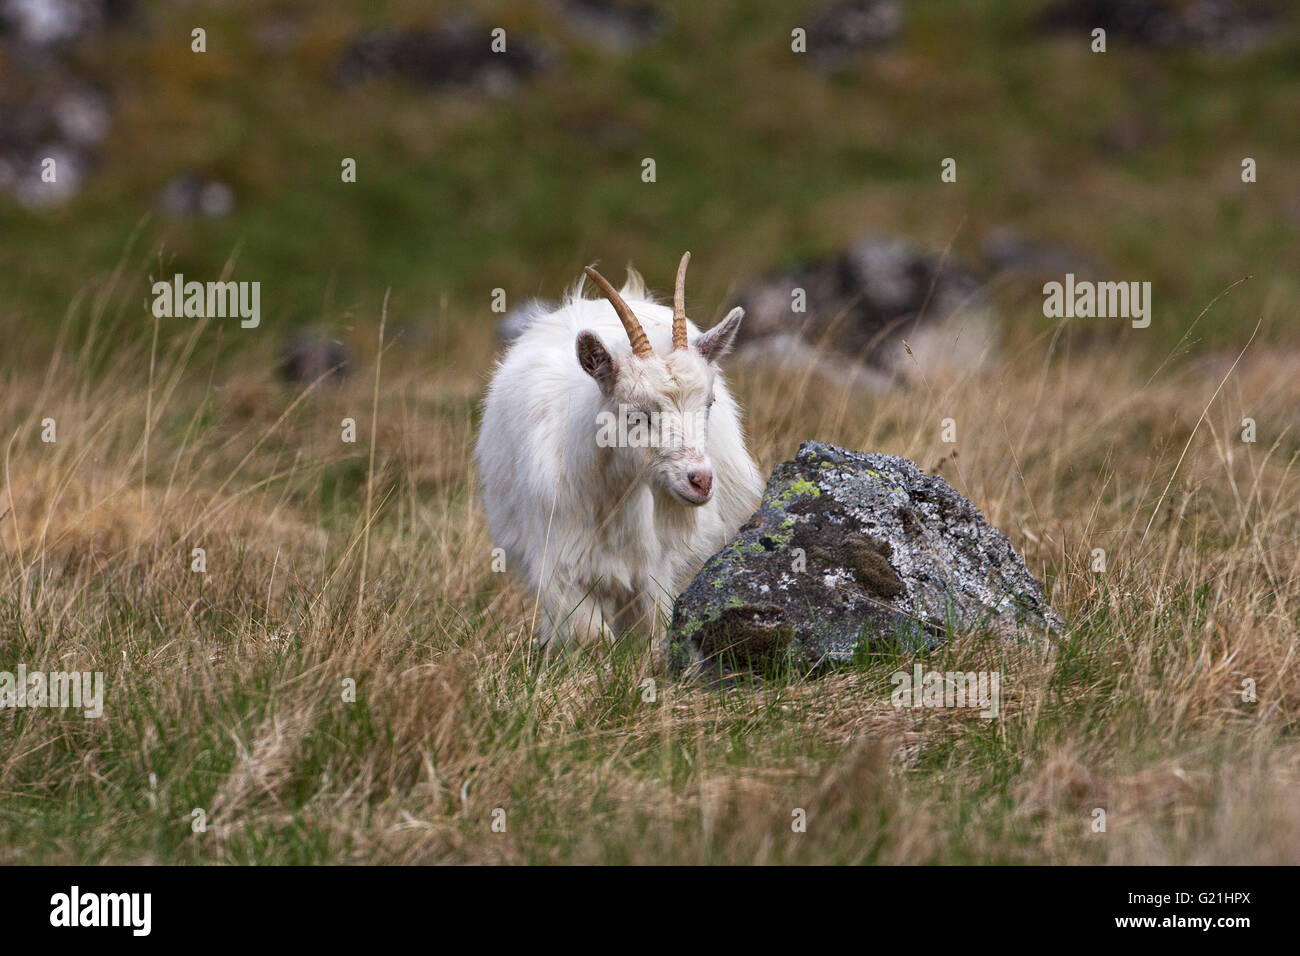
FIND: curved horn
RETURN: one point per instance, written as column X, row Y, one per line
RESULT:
column 636, row 334
column 679, row 304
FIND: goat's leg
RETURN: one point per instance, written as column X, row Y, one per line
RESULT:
column 645, row 613
column 576, row 616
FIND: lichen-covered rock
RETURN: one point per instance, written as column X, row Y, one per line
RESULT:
column 849, row 550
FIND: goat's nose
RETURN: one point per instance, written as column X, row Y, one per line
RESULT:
column 701, row 481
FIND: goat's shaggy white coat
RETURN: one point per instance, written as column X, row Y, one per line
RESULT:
column 599, row 533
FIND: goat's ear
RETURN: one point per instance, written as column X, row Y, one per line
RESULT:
column 596, row 360
column 716, row 342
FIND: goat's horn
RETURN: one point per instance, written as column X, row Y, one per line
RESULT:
column 679, row 304
column 636, row 334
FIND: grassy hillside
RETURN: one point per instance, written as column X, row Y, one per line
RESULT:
column 761, row 158
column 370, row 562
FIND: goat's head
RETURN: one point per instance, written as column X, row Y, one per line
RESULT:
column 658, row 405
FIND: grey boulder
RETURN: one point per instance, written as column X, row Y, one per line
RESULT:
column 850, row 551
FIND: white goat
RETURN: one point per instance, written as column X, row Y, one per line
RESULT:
column 610, row 477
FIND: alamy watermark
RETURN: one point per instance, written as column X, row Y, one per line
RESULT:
column 948, row 689
column 78, row 690
column 75, row 908
column 1085, row 299
column 212, row 300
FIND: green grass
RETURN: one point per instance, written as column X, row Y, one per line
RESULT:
column 225, row 689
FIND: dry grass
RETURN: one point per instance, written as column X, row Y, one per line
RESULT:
column 224, row 689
